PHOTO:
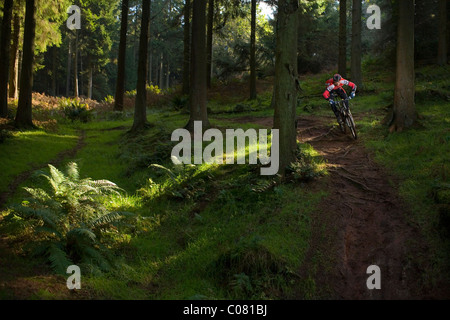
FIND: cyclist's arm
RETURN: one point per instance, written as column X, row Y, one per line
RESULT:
column 351, row 85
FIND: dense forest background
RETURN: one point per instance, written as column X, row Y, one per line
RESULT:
column 97, row 45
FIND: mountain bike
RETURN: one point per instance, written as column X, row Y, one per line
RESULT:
column 346, row 116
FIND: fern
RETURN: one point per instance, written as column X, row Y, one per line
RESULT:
column 58, row 259
column 69, row 219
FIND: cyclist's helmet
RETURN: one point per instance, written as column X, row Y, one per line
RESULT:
column 337, row 77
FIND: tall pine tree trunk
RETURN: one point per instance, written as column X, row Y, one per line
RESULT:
column 253, row 52
column 442, row 49
column 161, row 71
column 75, row 66
column 286, row 81
column 209, row 42
column 54, row 68
column 404, row 112
column 198, row 87
column 356, row 73
column 24, row 109
column 14, row 62
column 91, row 83
column 69, row 66
column 4, row 56
column 120, row 84
column 342, row 63
column 187, row 47
column 140, row 109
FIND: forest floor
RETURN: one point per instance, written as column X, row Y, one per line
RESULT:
column 376, row 205
column 362, row 222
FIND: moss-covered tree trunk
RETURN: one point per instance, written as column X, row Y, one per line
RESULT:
column 442, row 49
column 342, row 60
column 140, row 108
column 4, row 56
column 198, row 88
column 24, row 109
column 286, row 77
column 404, row 112
column 253, row 53
column 355, row 71
column 120, row 84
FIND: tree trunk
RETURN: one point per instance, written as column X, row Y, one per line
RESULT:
column 140, row 109
column 442, row 49
column 342, row 64
column 209, row 42
column 54, row 68
column 198, row 87
column 253, row 53
column 4, row 56
column 14, row 62
column 69, row 67
column 90, row 86
column 356, row 73
column 404, row 113
column 24, row 109
column 187, row 47
column 161, row 71
column 168, row 76
column 120, row 84
column 286, row 81
column 75, row 66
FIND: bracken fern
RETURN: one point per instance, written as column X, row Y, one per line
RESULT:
column 70, row 222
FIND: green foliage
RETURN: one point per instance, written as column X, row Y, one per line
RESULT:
column 308, row 165
column 70, row 223
column 75, row 110
column 5, row 134
column 181, row 182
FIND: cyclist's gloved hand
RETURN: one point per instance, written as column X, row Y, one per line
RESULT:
column 352, row 95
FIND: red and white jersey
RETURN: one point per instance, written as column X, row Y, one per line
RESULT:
column 332, row 86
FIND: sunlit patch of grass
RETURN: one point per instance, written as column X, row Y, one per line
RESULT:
column 29, row 149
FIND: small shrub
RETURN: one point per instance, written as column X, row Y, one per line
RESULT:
column 70, row 224
column 75, row 110
column 307, row 167
column 5, row 134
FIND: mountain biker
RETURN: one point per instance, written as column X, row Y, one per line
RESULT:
column 335, row 86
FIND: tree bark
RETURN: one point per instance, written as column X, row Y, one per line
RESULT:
column 253, row 53
column 187, row 47
column 286, row 81
column 404, row 111
column 90, row 85
column 14, row 62
column 4, row 56
column 120, row 84
column 342, row 64
column 54, row 69
column 209, row 42
column 356, row 73
column 140, row 109
column 442, row 49
column 24, row 109
column 161, row 72
column 75, row 66
column 69, row 66
column 198, row 87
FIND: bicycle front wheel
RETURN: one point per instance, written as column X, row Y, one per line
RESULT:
column 351, row 124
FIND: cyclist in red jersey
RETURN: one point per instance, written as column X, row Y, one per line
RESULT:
column 335, row 85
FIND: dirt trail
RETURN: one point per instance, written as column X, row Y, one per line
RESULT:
column 364, row 218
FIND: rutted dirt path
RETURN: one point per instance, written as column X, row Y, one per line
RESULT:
column 369, row 218
column 365, row 222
